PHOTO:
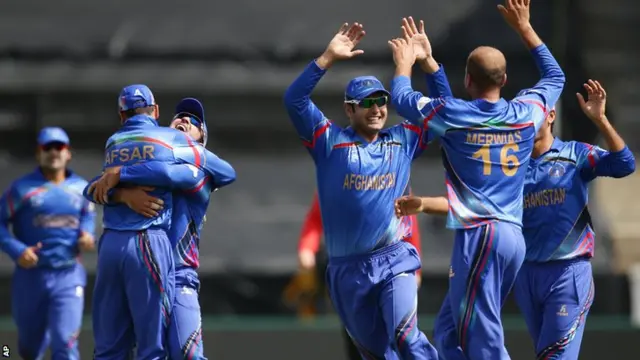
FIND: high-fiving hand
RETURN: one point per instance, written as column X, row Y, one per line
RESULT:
column 403, row 54
column 417, row 38
column 516, row 13
column 343, row 44
column 596, row 103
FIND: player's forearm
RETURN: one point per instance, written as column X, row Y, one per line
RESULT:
column 614, row 141
column 435, row 205
column 220, row 170
column 405, row 100
column 303, row 113
column 619, row 161
column 552, row 78
column 299, row 92
column 403, row 70
column 529, row 37
column 438, row 84
column 88, row 222
column 429, row 65
column 324, row 61
column 160, row 174
column 85, row 192
column 9, row 244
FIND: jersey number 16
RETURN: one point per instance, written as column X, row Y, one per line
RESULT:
column 508, row 162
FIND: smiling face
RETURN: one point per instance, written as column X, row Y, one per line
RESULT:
column 188, row 124
column 370, row 115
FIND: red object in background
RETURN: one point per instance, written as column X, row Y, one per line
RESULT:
column 312, row 229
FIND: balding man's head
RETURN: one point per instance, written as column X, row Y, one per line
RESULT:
column 486, row 68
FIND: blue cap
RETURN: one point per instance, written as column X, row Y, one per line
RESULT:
column 135, row 96
column 52, row 134
column 363, row 86
column 193, row 106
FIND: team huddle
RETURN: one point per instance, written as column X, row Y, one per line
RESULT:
column 516, row 200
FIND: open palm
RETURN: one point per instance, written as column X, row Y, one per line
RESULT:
column 345, row 41
column 596, row 103
column 417, row 38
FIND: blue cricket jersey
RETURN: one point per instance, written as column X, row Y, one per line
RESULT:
column 485, row 146
column 192, row 180
column 40, row 211
column 189, row 210
column 556, row 220
column 357, row 181
column 141, row 140
column 192, row 191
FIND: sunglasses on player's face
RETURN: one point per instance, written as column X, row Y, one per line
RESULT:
column 54, row 146
column 367, row 103
column 192, row 119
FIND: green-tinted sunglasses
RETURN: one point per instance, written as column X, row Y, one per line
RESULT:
column 369, row 102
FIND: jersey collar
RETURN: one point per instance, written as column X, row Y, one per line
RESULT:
column 485, row 105
column 353, row 134
column 556, row 145
column 38, row 173
column 140, row 120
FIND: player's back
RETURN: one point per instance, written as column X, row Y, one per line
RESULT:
column 132, row 144
column 485, row 156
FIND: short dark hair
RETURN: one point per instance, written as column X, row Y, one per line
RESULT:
column 147, row 110
column 483, row 77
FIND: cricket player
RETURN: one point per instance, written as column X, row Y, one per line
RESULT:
column 51, row 223
column 189, row 209
column 309, row 246
column 360, row 170
column 554, row 287
column 135, row 280
column 486, row 144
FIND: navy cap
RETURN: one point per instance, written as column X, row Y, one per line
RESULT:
column 135, row 96
column 52, row 135
column 193, row 106
column 363, row 86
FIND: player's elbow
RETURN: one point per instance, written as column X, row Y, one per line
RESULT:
column 292, row 100
column 557, row 77
column 226, row 178
column 628, row 167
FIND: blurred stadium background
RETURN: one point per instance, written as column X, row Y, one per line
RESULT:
column 62, row 63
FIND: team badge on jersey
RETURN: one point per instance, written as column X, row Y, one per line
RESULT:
column 556, row 170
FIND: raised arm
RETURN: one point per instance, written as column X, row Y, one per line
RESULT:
column 413, row 105
column 547, row 91
column 310, row 123
column 618, row 161
column 437, row 82
column 9, row 204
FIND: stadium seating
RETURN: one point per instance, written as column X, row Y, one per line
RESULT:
column 243, row 28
